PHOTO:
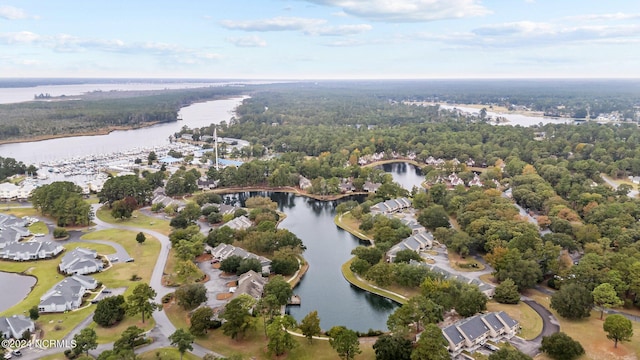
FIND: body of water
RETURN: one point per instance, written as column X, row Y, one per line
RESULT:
column 323, row 287
column 195, row 115
column 16, row 287
column 405, row 174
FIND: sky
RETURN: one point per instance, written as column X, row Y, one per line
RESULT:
column 320, row 39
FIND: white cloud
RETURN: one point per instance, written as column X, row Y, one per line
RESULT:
column 12, row 13
column 619, row 16
column 408, row 10
column 339, row 30
column 273, row 24
column 247, row 41
column 21, row 37
column 524, row 34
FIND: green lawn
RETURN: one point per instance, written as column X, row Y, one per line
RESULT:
column 137, row 220
column 351, row 277
column 254, row 343
column 111, row 334
column 166, row 354
column 39, row 227
column 145, row 256
column 348, row 223
column 18, row 211
column 529, row 320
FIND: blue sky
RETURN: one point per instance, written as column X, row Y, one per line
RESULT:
column 320, row 39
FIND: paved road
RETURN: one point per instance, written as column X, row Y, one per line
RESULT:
column 163, row 329
column 549, row 326
column 632, row 194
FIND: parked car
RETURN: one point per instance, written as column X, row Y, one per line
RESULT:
column 16, row 353
column 129, row 260
column 491, row 347
column 106, row 291
column 114, row 259
column 95, row 301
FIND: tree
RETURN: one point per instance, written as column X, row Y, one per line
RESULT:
column 470, row 301
column 405, row 256
column 231, row 264
column 507, row 292
column 417, row 311
column 34, row 313
column 279, row 338
column 606, row 296
column 392, row 347
column 249, row 264
column 201, row 321
column 561, row 346
column 191, row 296
column 434, row 217
column 183, row 340
column 131, row 337
column 431, row 346
column 345, row 342
column 284, row 262
column 85, row 340
column 279, row 288
column 109, row 311
column 140, row 238
column 509, row 353
column 380, row 273
column 238, row 316
column 310, row 325
column 618, row 328
column 370, row 254
column 572, row 301
column 141, row 301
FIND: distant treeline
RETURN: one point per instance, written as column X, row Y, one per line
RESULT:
column 94, row 113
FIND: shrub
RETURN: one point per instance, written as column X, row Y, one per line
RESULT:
column 59, row 233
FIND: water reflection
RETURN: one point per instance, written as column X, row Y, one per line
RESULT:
column 20, row 286
column 328, row 247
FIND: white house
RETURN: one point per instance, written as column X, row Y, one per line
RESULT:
column 80, row 261
column 31, row 250
column 239, row 223
column 15, row 326
column 223, row 251
column 417, row 243
column 67, row 294
column 391, row 206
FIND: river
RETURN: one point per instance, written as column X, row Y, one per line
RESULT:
column 195, row 115
column 16, row 287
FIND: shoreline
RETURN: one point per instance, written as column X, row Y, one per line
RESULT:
column 285, row 189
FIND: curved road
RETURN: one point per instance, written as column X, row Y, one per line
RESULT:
column 163, row 329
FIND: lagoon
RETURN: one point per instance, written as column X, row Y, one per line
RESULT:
column 16, row 287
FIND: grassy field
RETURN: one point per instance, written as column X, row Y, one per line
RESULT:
column 254, row 343
column 529, row 320
column 351, row 277
column 468, row 264
column 590, row 334
column 352, row 225
column 111, row 334
column 165, row 354
column 137, row 220
column 61, row 356
column 18, row 211
column 145, row 256
column 39, row 227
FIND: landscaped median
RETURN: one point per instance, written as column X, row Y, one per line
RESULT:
column 356, row 281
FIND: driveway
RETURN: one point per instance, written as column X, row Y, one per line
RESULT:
column 550, row 326
column 216, row 284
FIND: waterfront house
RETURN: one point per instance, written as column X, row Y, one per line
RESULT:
column 239, row 223
column 31, row 250
column 80, row 261
column 471, row 333
column 15, row 326
column 250, row 283
column 223, row 251
column 371, row 187
column 417, row 243
column 67, row 294
column 485, row 288
column 391, row 206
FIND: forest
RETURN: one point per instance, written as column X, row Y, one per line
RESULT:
column 98, row 111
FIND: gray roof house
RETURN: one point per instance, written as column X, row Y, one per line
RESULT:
column 485, row 288
column 223, row 251
column 14, row 326
column 80, row 261
column 31, row 250
column 239, row 223
column 417, row 243
column 391, row 206
column 250, row 283
column 471, row 333
column 12, row 229
column 370, row 187
column 67, row 294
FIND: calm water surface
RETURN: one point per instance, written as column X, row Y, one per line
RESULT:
column 328, row 247
column 15, row 288
column 195, row 115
